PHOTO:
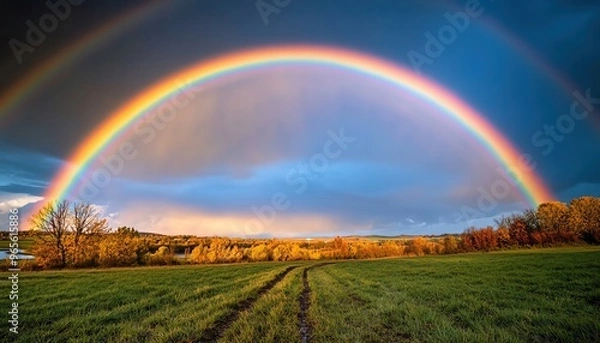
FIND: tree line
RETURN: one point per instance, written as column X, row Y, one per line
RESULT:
column 77, row 236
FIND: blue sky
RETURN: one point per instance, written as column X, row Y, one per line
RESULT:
column 251, row 137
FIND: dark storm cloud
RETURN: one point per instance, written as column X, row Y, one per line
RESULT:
column 71, row 102
column 72, row 20
column 563, row 32
column 23, row 171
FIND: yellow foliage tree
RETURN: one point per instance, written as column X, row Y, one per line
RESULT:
column 116, row 250
column 584, row 218
column 553, row 218
column 259, row 253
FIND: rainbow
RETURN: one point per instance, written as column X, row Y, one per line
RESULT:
column 530, row 184
column 42, row 73
column 543, row 66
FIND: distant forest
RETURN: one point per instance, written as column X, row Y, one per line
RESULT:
column 76, row 236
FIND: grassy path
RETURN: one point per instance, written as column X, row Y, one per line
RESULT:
column 279, row 315
column 215, row 331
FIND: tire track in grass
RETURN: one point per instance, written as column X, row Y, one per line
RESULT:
column 215, row 331
column 306, row 329
column 305, row 326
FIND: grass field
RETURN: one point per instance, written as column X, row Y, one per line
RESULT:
column 549, row 295
column 24, row 244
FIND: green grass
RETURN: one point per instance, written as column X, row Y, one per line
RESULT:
column 132, row 305
column 274, row 318
column 24, row 244
column 546, row 295
column 526, row 296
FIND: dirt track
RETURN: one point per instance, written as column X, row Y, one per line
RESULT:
column 306, row 328
column 213, row 333
column 216, row 331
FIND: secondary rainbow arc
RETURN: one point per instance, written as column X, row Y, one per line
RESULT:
column 66, row 57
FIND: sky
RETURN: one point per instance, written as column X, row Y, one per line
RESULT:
column 301, row 150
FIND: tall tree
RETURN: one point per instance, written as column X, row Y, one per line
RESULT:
column 53, row 219
column 86, row 222
column 584, row 218
column 552, row 217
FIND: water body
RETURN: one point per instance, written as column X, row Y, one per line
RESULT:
column 5, row 253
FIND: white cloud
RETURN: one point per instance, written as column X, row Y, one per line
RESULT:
column 9, row 201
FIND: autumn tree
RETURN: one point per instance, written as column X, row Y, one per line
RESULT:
column 584, row 218
column 418, row 246
column 517, row 228
column 467, row 240
column 259, row 253
column 198, row 254
column 503, row 237
column 341, row 248
column 450, row 245
column 54, row 221
column 162, row 256
column 86, row 228
column 70, row 233
column 119, row 249
column 553, row 220
column 282, row 252
column 125, row 230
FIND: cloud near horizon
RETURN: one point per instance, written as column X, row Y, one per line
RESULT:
column 10, row 201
